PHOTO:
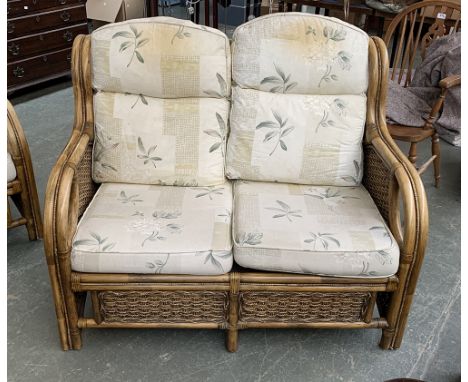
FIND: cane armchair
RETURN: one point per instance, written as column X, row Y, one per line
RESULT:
column 408, row 36
column 210, row 294
column 21, row 184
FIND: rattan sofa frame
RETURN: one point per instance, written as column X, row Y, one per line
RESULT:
column 243, row 298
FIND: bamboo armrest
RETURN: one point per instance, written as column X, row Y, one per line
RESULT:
column 61, row 204
column 403, row 184
column 448, row 82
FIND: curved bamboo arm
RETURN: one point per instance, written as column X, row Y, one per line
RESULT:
column 407, row 181
column 19, row 150
column 408, row 184
column 61, row 207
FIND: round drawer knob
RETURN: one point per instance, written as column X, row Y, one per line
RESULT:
column 65, row 16
column 10, row 27
column 13, row 48
column 62, row 2
column 38, row 19
column 18, row 71
column 68, row 36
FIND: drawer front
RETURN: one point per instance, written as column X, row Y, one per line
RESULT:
column 23, row 7
column 20, row 48
column 22, row 26
column 37, row 67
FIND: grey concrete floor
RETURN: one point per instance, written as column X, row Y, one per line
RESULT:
column 430, row 350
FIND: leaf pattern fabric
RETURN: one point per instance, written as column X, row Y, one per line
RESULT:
column 133, row 228
column 335, row 231
column 293, row 138
column 155, row 141
column 161, row 57
column 300, row 53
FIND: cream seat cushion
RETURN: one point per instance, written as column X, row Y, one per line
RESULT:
column 11, row 170
column 155, row 229
column 333, row 231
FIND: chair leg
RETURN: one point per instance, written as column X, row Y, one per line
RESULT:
column 22, row 202
column 232, row 332
column 436, row 152
column 412, row 156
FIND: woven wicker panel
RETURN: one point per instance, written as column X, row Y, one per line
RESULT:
column 302, row 307
column 86, row 187
column 164, row 306
column 377, row 180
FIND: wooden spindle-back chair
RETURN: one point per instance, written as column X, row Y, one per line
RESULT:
column 408, row 37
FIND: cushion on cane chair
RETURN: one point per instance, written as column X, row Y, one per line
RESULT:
column 327, row 230
column 11, row 170
column 161, row 106
column 299, row 110
column 132, row 228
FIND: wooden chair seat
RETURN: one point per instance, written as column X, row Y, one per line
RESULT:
column 409, row 134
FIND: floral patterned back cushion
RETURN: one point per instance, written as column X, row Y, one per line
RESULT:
column 299, row 110
column 150, row 140
column 300, row 53
column 294, row 138
column 161, row 107
column 161, row 57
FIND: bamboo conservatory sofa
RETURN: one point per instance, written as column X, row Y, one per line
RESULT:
column 180, row 202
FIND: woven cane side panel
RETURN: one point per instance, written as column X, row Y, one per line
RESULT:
column 86, row 187
column 163, row 306
column 377, row 180
column 302, row 307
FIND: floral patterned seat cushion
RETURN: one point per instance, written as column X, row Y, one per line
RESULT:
column 161, row 105
column 333, row 231
column 131, row 228
column 299, row 110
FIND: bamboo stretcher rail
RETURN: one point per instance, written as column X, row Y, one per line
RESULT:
column 148, row 287
column 379, row 323
column 91, row 323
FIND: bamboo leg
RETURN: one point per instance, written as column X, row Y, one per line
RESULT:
column 232, row 331
column 22, row 203
column 436, row 152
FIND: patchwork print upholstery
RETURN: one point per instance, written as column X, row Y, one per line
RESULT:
column 11, row 170
column 334, row 231
column 159, row 141
column 299, row 109
column 161, row 57
column 296, row 138
column 300, row 53
column 161, row 109
column 132, row 228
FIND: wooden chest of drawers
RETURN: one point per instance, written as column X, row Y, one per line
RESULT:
column 40, row 35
